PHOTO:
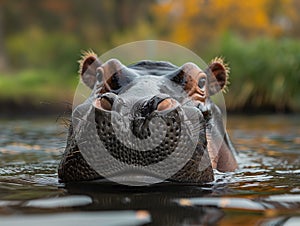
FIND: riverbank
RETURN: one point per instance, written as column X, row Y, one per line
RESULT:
column 26, row 109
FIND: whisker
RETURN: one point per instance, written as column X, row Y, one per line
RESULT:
column 82, row 95
column 83, row 142
column 81, row 119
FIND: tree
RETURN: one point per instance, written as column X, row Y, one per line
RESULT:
column 196, row 22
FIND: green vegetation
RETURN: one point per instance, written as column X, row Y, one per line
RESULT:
column 264, row 73
column 37, row 48
column 45, row 67
column 37, row 86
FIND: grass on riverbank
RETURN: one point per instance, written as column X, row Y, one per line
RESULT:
column 36, row 86
column 265, row 73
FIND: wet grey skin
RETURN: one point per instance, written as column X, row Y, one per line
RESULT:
column 161, row 96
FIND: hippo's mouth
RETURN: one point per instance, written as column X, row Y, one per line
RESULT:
column 163, row 129
column 136, row 177
column 145, row 149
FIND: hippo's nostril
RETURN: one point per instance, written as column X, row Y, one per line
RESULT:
column 103, row 103
column 166, row 104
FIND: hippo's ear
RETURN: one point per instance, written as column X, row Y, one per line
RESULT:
column 88, row 68
column 218, row 74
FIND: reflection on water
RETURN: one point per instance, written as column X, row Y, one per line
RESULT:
column 265, row 190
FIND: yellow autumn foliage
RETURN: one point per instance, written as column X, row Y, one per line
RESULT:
column 189, row 22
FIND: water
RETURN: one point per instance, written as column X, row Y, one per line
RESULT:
column 264, row 191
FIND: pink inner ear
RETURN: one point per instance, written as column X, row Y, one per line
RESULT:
column 86, row 63
column 220, row 74
column 88, row 71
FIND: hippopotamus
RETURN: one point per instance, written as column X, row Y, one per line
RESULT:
column 148, row 119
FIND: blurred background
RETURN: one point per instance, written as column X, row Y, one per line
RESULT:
column 41, row 42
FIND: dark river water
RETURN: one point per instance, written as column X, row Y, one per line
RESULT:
column 265, row 190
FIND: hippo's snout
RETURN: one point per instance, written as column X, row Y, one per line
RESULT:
column 152, row 142
column 141, row 112
column 148, row 135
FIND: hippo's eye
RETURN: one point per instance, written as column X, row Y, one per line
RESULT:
column 99, row 77
column 201, row 83
column 99, row 74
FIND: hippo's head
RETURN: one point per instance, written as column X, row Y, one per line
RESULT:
column 147, row 122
